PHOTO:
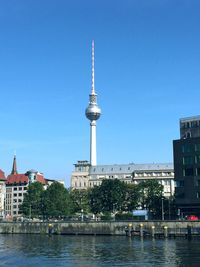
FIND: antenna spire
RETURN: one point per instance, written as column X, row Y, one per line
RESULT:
column 93, row 90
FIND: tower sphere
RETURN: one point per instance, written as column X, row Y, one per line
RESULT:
column 93, row 112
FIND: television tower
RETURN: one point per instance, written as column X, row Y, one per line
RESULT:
column 93, row 113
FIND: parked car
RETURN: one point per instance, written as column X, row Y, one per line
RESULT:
column 192, row 218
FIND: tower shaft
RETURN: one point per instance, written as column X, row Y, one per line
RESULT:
column 93, row 148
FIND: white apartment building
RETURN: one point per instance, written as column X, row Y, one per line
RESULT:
column 85, row 176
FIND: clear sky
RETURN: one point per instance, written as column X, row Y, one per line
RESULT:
column 147, row 76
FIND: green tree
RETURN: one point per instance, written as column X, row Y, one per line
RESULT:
column 95, row 200
column 32, row 203
column 79, row 200
column 151, row 197
column 108, row 197
column 56, row 201
column 132, row 197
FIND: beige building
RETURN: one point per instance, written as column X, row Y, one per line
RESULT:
column 85, row 176
column 80, row 175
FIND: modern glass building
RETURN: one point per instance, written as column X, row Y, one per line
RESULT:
column 187, row 167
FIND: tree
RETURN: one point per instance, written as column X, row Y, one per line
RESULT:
column 32, row 202
column 151, row 197
column 95, row 200
column 132, row 197
column 56, row 201
column 79, row 200
column 108, row 197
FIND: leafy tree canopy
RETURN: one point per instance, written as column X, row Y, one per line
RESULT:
column 56, row 201
column 31, row 205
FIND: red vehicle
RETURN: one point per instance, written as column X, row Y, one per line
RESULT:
column 192, row 218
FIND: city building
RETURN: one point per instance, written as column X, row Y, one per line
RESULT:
column 187, row 167
column 93, row 113
column 86, row 176
column 2, row 192
column 16, row 187
column 80, row 175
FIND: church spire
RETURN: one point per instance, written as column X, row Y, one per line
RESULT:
column 14, row 168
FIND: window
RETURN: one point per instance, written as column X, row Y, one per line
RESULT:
column 102, row 169
column 181, row 195
column 15, row 188
column 197, row 147
column 167, row 182
column 188, row 160
column 180, row 183
column 186, row 148
column 197, row 171
column 20, row 194
column 14, row 206
column 198, row 194
column 20, row 188
column 197, row 159
column 15, row 195
column 19, row 200
column 188, row 172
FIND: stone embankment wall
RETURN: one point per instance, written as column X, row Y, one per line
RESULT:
column 103, row 228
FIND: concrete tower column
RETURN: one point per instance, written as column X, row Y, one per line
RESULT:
column 93, row 146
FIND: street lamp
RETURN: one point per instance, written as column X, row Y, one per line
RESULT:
column 82, row 215
column 162, row 209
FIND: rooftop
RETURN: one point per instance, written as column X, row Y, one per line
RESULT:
column 129, row 168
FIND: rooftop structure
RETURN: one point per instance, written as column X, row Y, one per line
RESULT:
column 190, row 127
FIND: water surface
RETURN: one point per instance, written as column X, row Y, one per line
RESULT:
column 41, row 250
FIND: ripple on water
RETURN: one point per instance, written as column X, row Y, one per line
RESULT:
column 42, row 250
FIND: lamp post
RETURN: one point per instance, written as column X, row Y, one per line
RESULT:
column 82, row 215
column 162, row 208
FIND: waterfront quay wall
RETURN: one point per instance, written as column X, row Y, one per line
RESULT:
column 129, row 228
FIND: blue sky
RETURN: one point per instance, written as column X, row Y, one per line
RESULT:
column 147, row 76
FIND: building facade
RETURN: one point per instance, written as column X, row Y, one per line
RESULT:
column 80, row 175
column 16, row 188
column 2, row 193
column 85, row 176
column 187, row 167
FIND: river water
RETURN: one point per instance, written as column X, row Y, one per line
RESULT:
column 41, row 250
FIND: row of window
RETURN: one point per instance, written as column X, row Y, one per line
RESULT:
column 186, row 148
column 190, row 124
column 19, row 188
column 191, row 171
column 182, row 195
column 181, row 183
column 80, row 184
column 190, row 160
column 76, row 184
